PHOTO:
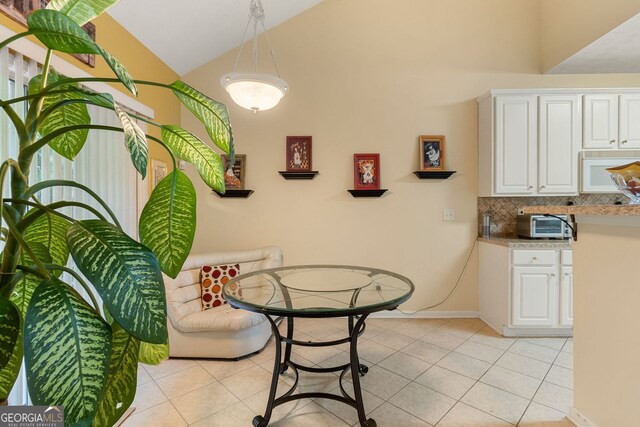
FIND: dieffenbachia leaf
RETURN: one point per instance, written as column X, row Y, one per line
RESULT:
column 9, row 373
column 135, row 140
column 121, row 382
column 9, row 330
column 66, row 352
column 59, row 32
column 168, row 221
column 81, row 11
column 189, row 147
column 125, row 274
column 69, row 143
column 51, row 231
column 211, row 113
column 153, row 354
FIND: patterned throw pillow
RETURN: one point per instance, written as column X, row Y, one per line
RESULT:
column 212, row 278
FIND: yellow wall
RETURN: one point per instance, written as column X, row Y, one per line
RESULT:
column 142, row 65
column 606, row 339
column 371, row 76
column 570, row 25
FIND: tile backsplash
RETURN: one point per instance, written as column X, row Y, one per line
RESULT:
column 504, row 210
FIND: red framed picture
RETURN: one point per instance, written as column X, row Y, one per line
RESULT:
column 298, row 154
column 366, row 171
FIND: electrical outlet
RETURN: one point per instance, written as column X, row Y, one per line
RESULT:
column 448, row 215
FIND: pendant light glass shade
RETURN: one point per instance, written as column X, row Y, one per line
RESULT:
column 254, row 91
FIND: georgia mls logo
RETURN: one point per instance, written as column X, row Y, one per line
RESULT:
column 31, row 416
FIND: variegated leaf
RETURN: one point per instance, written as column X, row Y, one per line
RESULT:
column 135, row 140
column 70, row 143
column 168, row 221
column 121, row 383
column 66, row 351
column 59, row 32
column 9, row 330
column 125, row 274
column 153, row 354
column 81, row 11
column 51, row 231
column 213, row 114
column 121, row 73
column 189, row 147
column 9, row 373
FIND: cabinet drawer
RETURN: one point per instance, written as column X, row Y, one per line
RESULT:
column 533, row 257
column 566, row 257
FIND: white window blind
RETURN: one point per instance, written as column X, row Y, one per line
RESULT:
column 103, row 165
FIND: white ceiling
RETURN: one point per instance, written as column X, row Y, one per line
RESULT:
column 188, row 34
column 618, row 51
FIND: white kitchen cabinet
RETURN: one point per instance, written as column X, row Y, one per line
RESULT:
column 528, row 144
column 611, row 121
column 525, row 291
column 558, row 144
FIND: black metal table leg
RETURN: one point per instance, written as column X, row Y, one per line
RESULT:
column 287, row 346
column 358, row 369
column 263, row 421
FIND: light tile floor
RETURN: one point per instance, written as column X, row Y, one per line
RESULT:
column 422, row 372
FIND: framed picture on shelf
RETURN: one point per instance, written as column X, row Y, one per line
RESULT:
column 298, row 154
column 432, row 153
column 234, row 174
column 158, row 171
column 366, row 171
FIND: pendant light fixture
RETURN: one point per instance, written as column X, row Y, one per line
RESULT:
column 252, row 90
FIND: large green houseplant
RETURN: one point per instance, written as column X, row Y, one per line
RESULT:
column 77, row 354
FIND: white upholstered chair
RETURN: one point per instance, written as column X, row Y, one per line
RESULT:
column 221, row 332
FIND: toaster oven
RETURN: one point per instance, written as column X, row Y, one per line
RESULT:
column 538, row 226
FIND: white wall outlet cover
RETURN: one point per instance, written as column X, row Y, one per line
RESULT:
column 448, row 215
column 182, row 165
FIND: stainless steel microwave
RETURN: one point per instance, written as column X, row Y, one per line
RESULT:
column 537, row 226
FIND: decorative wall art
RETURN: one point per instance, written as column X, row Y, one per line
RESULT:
column 158, row 171
column 18, row 10
column 366, row 171
column 234, row 176
column 298, row 153
column 432, row 154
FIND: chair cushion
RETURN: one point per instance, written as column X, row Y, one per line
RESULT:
column 212, row 278
column 223, row 318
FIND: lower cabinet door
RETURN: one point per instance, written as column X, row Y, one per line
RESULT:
column 534, row 296
column 566, row 296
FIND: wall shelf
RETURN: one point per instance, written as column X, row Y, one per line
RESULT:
column 368, row 193
column 434, row 174
column 298, row 175
column 238, row 194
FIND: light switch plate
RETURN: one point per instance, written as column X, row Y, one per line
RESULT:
column 448, row 215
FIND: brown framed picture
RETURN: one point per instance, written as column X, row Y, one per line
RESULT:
column 432, row 152
column 298, row 153
column 366, row 171
column 158, row 171
column 234, row 175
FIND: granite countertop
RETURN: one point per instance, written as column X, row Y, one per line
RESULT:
column 613, row 210
column 514, row 242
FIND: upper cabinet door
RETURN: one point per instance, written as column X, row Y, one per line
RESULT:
column 630, row 121
column 515, row 145
column 559, row 141
column 600, row 126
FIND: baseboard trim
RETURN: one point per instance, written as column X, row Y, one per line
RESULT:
column 124, row 416
column 578, row 419
column 395, row 314
column 537, row 332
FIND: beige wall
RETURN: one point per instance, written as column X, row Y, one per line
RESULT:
column 606, row 339
column 370, row 76
column 570, row 25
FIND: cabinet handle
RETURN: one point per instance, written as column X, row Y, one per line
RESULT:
column 531, row 187
column 543, row 186
column 568, row 274
column 624, row 142
column 613, row 141
column 552, row 275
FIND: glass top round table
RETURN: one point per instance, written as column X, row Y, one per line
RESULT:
column 318, row 291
